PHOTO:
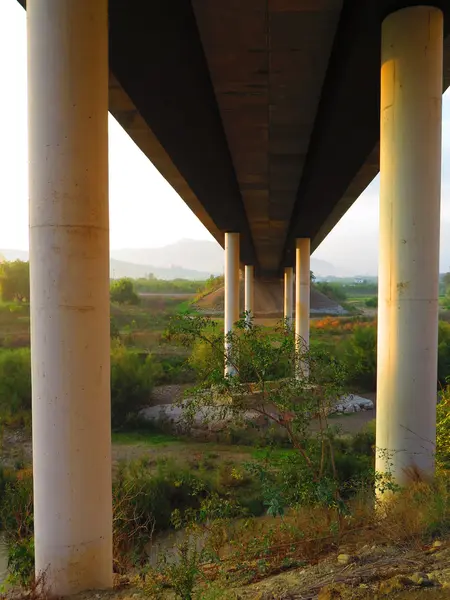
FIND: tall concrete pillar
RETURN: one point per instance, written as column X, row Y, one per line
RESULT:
column 302, row 299
column 410, row 165
column 231, row 314
column 69, row 270
column 288, row 295
column 249, row 281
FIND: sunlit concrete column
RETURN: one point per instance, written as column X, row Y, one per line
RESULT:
column 288, row 295
column 231, row 314
column 410, row 164
column 69, row 265
column 249, row 282
column 302, row 298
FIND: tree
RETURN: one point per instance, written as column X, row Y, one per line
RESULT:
column 122, row 291
column 15, row 281
column 268, row 385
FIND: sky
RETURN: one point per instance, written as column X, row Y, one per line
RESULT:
column 145, row 212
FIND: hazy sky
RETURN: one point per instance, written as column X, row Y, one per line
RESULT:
column 144, row 210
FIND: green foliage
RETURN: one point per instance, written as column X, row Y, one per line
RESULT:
column 372, row 302
column 210, row 285
column 360, row 355
column 443, row 430
column 443, row 352
column 16, row 517
column 122, row 291
column 15, row 281
column 281, row 382
column 132, row 380
column 153, row 285
column 334, row 291
column 15, row 382
column 183, row 569
column 114, row 330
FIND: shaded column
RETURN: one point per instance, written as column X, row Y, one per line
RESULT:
column 302, row 299
column 69, row 271
column 410, row 165
column 288, row 295
column 249, row 282
column 231, row 314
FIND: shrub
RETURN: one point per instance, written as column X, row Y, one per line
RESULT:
column 443, row 351
column 132, row 380
column 372, row 302
column 15, row 382
column 443, row 430
column 122, row 291
column 334, row 291
column 360, row 355
column 16, row 516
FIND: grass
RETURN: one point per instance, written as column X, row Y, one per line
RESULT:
column 143, row 438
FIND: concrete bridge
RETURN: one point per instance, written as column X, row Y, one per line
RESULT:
column 264, row 115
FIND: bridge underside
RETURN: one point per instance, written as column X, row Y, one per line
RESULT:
column 263, row 115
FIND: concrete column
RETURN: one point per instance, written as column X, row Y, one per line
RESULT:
column 410, row 165
column 231, row 314
column 249, row 279
column 288, row 295
column 302, row 299
column 69, row 268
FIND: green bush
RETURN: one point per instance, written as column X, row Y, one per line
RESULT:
column 443, row 430
column 122, row 291
column 15, row 382
column 443, row 352
column 17, row 523
column 132, row 380
column 334, row 291
column 372, row 302
column 359, row 353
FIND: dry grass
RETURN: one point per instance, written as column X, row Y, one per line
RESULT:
column 408, row 521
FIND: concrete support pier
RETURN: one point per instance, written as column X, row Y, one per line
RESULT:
column 231, row 314
column 410, row 165
column 302, row 298
column 249, row 282
column 288, row 296
column 69, row 270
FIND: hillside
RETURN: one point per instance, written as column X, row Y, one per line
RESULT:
column 120, row 269
column 187, row 259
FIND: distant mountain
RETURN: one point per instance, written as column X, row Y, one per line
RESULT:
column 188, row 259
column 322, row 268
column 120, row 269
column 196, row 255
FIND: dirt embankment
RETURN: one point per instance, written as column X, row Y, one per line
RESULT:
column 269, row 300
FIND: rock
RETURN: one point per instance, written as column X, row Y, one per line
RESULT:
column 395, row 584
column 344, row 559
column 334, row 591
column 356, row 402
column 421, row 579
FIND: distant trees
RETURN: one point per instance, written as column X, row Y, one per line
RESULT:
column 122, row 291
column 15, row 281
column 446, row 285
column 153, row 285
column 334, row 291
